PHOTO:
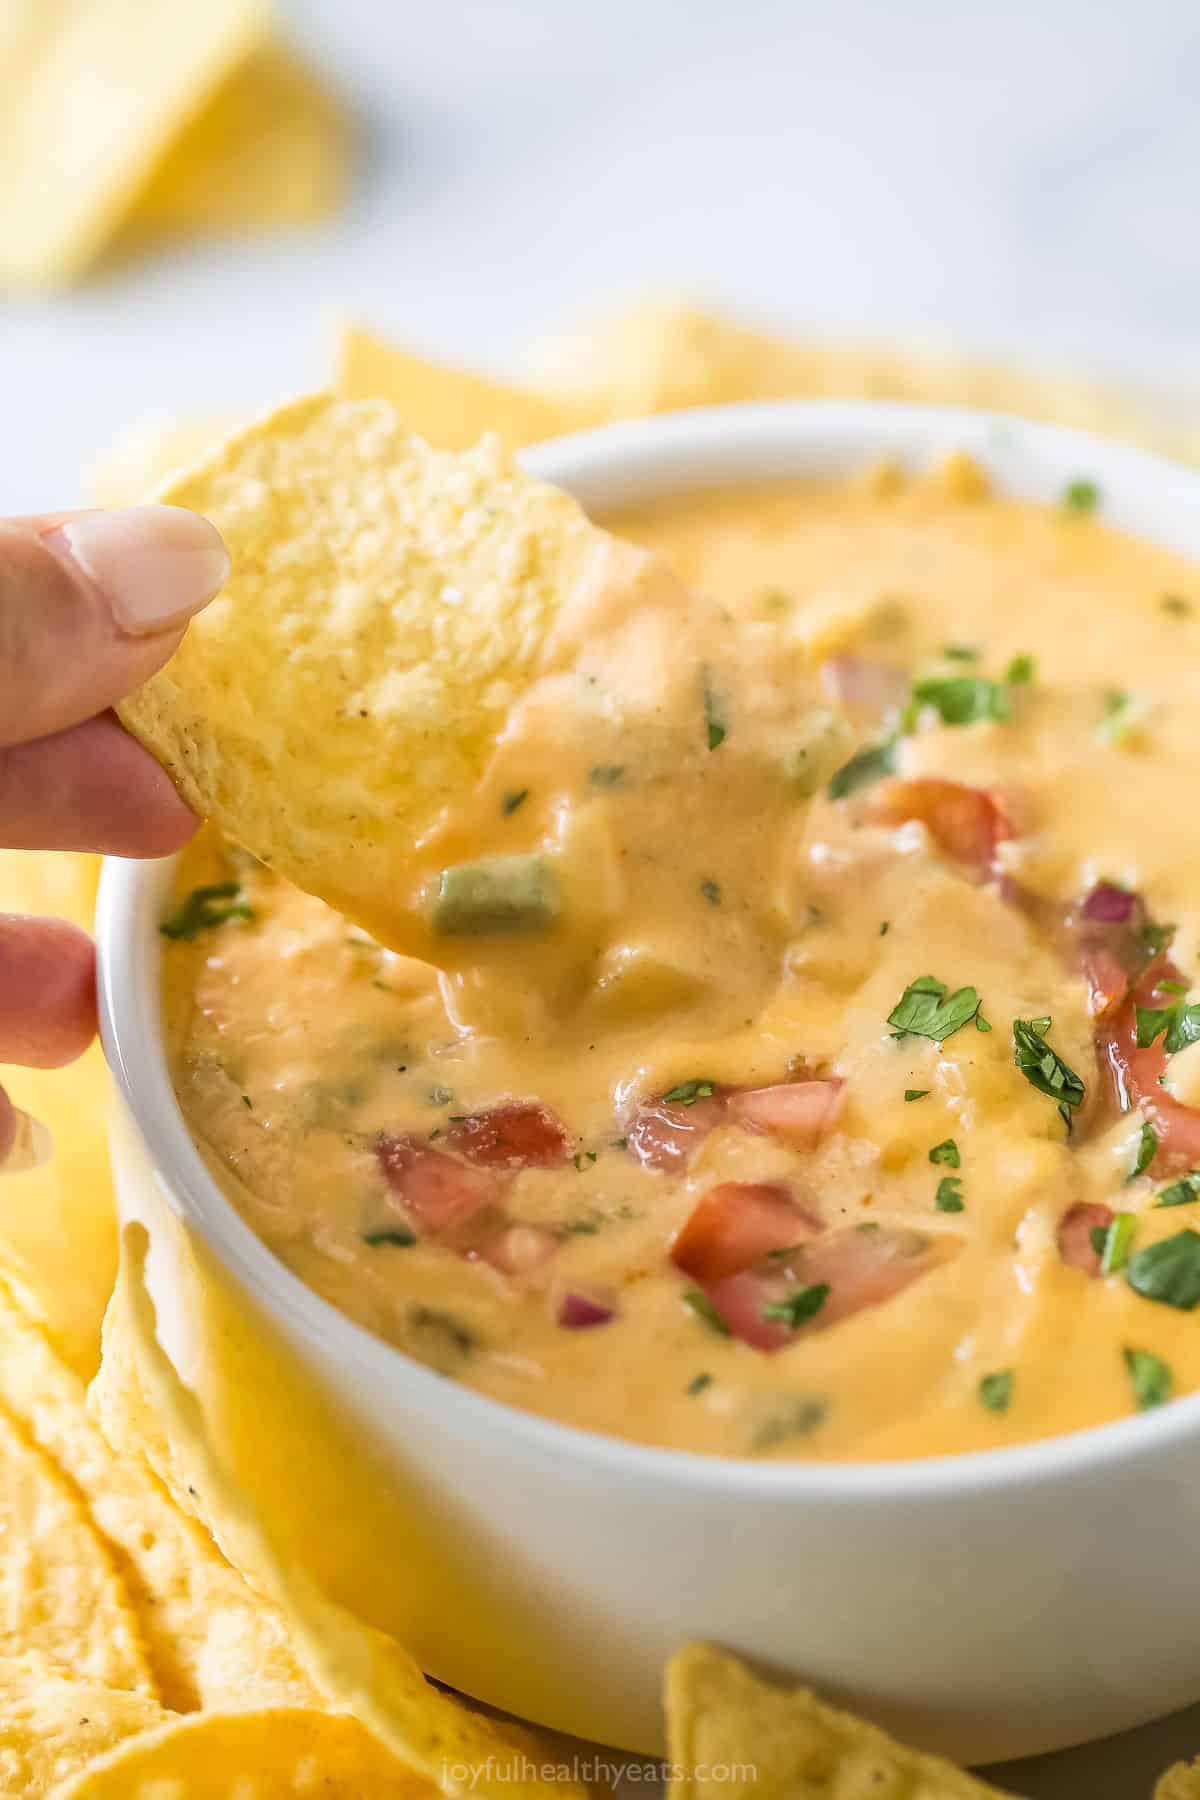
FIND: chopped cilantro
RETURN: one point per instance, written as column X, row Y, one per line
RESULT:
column 1155, row 938
column 949, row 1194
column 607, row 775
column 399, row 1235
column 916, row 1093
column 946, row 1152
column 962, row 699
column 715, row 723
column 1097, row 1238
column 925, row 1009
column 1081, row 496
column 510, row 802
column 885, row 927
column 961, row 652
column 583, row 1159
column 1122, row 711
column 1020, row 670
column 1176, row 604
column 1117, row 1240
column 995, row 1390
column 1181, row 1192
column 688, row 1092
column 1180, row 1023
column 441, row 1096
column 247, row 1102
column 1147, row 1145
column 865, row 767
column 206, row 907
column 711, row 891
column 1044, row 1068
column 799, row 1307
column 1168, row 1271
column 795, row 1417
column 621, row 1143
column 1151, row 1378
column 704, row 1309
column 583, row 1227
column 698, row 1383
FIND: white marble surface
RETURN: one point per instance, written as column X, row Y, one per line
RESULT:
column 1017, row 178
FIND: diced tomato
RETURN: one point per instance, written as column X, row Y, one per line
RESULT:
column 735, row 1224
column 862, row 1267
column 1137, row 1073
column 518, row 1135
column 436, row 1191
column 966, row 823
column 1075, row 1230
column 797, row 1110
column 664, row 1134
column 1107, row 980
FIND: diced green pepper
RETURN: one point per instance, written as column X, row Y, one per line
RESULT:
column 497, row 893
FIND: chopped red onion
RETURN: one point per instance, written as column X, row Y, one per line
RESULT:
column 1108, row 904
column 577, row 1311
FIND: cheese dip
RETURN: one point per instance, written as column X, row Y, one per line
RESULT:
column 777, row 1100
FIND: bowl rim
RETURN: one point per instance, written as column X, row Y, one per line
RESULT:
column 610, row 467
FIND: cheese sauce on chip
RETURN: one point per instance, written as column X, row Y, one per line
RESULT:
column 772, row 1097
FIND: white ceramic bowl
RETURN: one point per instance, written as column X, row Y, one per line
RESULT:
column 988, row 1606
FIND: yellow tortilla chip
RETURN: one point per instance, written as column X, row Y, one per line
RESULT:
column 359, row 1669
column 278, row 1755
column 58, row 1235
column 449, row 407
column 94, row 91
column 52, row 1724
column 388, row 603
column 145, row 456
column 1181, row 1782
column 273, row 148
column 731, row 1735
column 660, row 355
column 60, row 1594
column 209, row 1639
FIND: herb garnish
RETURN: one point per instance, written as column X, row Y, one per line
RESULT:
column 1155, row 938
column 963, row 699
column 1114, row 1252
column 866, row 766
column 1151, row 1378
column 698, row 1383
column 399, row 1235
column 1180, row 1023
column 1081, row 496
column 711, row 891
column 916, row 1093
column 688, row 1092
column 961, row 652
column 704, row 1309
column 1147, row 1146
column 1177, row 604
column 799, row 1307
column 925, row 1009
column 1181, row 1192
column 1044, row 1068
column 510, row 802
column 795, row 1418
column 206, row 907
column 949, row 1194
column 1020, row 670
column 1168, row 1271
column 607, row 775
column 583, row 1159
column 715, row 722
column 247, row 1102
column 946, row 1152
column 1122, row 711
column 995, row 1391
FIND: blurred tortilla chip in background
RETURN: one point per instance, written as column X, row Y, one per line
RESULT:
column 123, row 117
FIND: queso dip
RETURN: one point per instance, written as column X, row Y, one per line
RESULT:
column 775, row 1103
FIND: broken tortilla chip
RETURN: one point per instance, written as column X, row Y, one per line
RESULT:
column 1180, row 1782
column 730, row 1735
column 52, row 1723
column 450, row 407
column 284, row 1754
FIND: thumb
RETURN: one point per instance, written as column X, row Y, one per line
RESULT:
column 92, row 605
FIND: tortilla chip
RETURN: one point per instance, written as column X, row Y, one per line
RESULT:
column 274, row 148
column 661, row 355
column 359, row 1669
column 729, row 1734
column 142, row 459
column 449, row 407
column 58, row 1235
column 209, row 1639
column 388, row 602
column 60, row 1593
column 52, row 1724
column 1181, row 1782
column 94, row 91
column 286, row 1754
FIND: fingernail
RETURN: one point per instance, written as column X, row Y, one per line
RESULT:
column 32, row 1145
column 155, row 565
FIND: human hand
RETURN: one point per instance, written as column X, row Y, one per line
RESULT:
column 91, row 604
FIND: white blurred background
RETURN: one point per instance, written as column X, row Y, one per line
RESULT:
column 1016, row 178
